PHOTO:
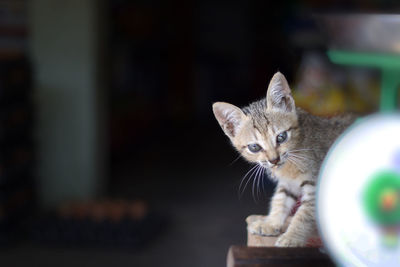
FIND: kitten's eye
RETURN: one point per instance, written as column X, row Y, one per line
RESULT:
column 281, row 137
column 254, row 148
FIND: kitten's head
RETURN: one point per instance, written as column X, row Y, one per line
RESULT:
column 265, row 131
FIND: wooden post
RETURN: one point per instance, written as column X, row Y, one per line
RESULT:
column 242, row 256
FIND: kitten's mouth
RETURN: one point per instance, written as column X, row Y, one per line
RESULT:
column 278, row 165
column 274, row 166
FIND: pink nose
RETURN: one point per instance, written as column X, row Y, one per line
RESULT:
column 274, row 161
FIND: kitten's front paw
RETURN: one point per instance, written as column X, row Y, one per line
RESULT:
column 266, row 228
column 288, row 240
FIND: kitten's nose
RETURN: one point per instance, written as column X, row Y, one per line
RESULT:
column 275, row 160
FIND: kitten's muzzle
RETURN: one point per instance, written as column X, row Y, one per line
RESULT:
column 274, row 161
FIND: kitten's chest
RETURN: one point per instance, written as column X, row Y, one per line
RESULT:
column 294, row 185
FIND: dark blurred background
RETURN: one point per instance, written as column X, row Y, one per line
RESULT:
column 110, row 154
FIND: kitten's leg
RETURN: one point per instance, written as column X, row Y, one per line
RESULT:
column 281, row 205
column 303, row 224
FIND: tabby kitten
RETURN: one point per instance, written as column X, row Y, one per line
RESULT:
column 291, row 144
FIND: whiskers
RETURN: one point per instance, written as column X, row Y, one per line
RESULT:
column 236, row 159
column 257, row 175
column 299, row 158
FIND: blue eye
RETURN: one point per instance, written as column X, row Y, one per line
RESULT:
column 254, row 148
column 281, row 137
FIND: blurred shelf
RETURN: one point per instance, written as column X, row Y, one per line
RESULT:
column 389, row 65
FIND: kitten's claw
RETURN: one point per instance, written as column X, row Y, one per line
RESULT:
column 265, row 228
column 287, row 240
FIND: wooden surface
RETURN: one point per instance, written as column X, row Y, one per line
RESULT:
column 241, row 256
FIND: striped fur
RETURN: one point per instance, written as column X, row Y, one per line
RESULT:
column 300, row 155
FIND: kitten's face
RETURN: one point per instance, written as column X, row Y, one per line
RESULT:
column 268, row 144
column 266, row 131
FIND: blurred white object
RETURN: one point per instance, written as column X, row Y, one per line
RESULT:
column 367, row 147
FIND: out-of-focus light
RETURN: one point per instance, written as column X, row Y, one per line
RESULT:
column 358, row 197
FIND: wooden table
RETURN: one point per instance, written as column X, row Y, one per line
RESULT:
column 241, row 256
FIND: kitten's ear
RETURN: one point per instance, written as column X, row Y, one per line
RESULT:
column 279, row 96
column 229, row 117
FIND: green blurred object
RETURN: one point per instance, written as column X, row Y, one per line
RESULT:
column 389, row 64
column 382, row 198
